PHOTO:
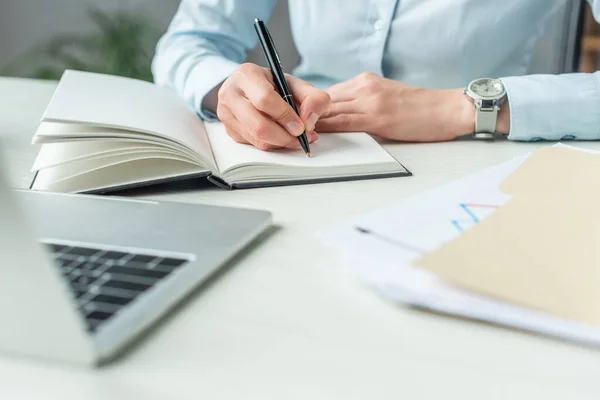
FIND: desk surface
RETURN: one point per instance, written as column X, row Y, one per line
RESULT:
column 278, row 326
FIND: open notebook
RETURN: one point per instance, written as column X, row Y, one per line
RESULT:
column 101, row 133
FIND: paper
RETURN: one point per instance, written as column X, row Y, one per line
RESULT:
column 115, row 102
column 422, row 223
column 60, row 154
column 540, row 249
column 339, row 149
column 420, row 288
column 389, row 268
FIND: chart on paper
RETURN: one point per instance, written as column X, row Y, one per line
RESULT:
column 426, row 228
column 408, row 229
column 473, row 214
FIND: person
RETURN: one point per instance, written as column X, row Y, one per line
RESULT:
column 396, row 69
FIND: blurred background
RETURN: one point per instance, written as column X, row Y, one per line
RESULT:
column 590, row 51
column 40, row 38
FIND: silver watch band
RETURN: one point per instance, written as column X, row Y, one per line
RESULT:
column 485, row 122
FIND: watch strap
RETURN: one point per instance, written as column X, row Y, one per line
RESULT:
column 485, row 122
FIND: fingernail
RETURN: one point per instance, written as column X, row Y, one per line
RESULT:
column 295, row 128
column 311, row 121
column 314, row 137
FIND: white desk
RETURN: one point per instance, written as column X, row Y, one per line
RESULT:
column 281, row 325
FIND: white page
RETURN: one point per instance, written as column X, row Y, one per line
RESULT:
column 330, row 150
column 411, row 227
column 111, row 101
column 430, row 219
column 420, row 288
column 54, row 154
column 82, row 167
column 128, row 173
column 56, row 132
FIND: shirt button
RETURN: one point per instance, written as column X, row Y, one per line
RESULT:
column 378, row 25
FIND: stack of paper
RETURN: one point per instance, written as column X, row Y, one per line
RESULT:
column 513, row 245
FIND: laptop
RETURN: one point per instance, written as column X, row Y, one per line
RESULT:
column 83, row 276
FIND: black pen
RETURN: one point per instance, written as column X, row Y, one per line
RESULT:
column 278, row 76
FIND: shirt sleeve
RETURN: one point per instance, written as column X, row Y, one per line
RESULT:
column 555, row 107
column 206, row 41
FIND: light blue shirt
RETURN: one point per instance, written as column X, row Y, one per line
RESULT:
column 425, row 43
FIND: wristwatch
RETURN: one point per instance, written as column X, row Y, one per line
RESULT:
column 487, row 95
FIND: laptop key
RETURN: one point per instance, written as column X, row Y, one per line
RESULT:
column 147, row 273
column 113, row 255
column 56, row 248
column 172, row 262
column 83, row 279
column 139, row 258
column 131, row 286
column 64, row 262
column 99, row 315
column 83, row 251
column 103, row 298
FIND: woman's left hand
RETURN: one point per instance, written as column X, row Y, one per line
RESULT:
column 397, row 111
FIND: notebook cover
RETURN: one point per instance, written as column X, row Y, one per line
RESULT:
column 252, row 185
column 138, row 185
column 187, row 182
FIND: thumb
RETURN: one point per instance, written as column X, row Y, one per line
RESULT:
column 313, row 102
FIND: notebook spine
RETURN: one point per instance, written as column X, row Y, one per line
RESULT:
column 219, row 182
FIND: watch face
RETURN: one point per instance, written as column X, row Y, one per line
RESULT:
column 488, row 88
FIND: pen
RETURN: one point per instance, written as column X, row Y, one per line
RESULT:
column 278, row 76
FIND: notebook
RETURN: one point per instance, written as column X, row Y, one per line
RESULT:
column 102, row 133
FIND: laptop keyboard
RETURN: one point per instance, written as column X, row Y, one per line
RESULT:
column 103, row 282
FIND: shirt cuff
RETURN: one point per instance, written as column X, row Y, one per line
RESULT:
column 205, row 76
column 554, row 107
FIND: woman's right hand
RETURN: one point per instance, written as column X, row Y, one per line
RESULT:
column 253, row 111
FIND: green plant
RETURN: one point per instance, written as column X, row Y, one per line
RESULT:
column 122, row 45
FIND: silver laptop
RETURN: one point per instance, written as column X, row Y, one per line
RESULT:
column 82, row 276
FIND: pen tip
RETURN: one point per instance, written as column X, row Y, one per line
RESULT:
column 309, row 155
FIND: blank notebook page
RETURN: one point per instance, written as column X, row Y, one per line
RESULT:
column 331, row 150
column 113, row 101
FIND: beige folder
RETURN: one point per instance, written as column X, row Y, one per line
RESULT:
column 542, row 248
column 551, row 170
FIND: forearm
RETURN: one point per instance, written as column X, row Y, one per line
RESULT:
column 204, row 44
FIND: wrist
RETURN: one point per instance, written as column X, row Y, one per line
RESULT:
column 503, row 123
column 463, row 114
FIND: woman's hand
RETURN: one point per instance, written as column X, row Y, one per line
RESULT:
column 253, row 111
column 397, row 111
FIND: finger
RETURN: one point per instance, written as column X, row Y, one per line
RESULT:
column 344, row 107
column 239, row 134
column 344, row 123
column 258, row 128
column 264, row 98
column 312, row 137
column 313, row 102
column 344, row 91
column 231, row 124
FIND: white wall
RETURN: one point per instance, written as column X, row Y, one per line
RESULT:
column 26, row 23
